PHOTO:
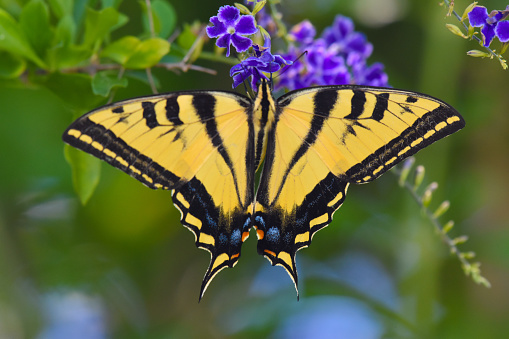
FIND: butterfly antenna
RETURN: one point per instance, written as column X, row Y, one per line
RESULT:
column 247, row 90
column 287, row 67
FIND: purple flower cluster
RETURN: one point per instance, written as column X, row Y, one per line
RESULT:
column 254, row 66
column 491, row 24
column 229, row 27
column 337, row 57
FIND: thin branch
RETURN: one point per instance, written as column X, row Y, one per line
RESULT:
column 470, row 269
column 94, row 68
column 151, row 81
column 185, row 67
column 150, row 18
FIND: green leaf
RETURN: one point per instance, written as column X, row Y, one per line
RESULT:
column 79, row 11
column 34, row 20
column 121, row 50
column 73, row 89
column 65, row 32
column 148, row 53
column 67, row 56
column 122, row 20
column 61, row 8
column 164, row 16
column 187, row 38
column 13, row 40
column 111, row 3
column 11, row 66
column 103, row 82
column 65, row 53
column 258, row 7
column 98, row 24
column 86, row 171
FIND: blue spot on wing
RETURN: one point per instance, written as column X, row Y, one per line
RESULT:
column 272, row 234
column 223, row 239
column 235, row 237
column 259, row 220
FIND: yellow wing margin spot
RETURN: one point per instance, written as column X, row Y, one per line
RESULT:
column 192, row 220
column 453, row 119
column 440, row 125
column 74, row 133
column 149, row 179
column 284, row 256
column 219, row 260
column 393, row 159
column 403, row 151
column 109, row 153
column 97, row 146
column 416, row 142
column 303, row 237
column 134, row 169
column 336, row 199
column 429, row 133
column 381, row 167
column 207, row 239
column 319, row 220
column 121, row 161
column 180, row 198
column 86, row 138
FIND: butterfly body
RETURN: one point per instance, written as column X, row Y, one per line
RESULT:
column 206, row 147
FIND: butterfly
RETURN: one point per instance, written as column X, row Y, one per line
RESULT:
column 206, row 147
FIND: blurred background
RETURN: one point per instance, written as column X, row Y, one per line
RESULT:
column 122, row 266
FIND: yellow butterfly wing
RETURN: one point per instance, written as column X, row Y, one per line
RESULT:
column 198, row 144
column 321, row 140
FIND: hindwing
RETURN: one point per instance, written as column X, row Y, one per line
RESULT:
column 324, row 138
column 198, row 144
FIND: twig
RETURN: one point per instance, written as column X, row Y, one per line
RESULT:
column 94, row 68
column 185, row 67
column 150, row 18
column 151, row 81
column 470, row 269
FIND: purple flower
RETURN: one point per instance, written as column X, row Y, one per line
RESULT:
column 502, row 31
column 479, row 17
column 229, row 27
column 342, row 36
column 304, row 32
column 325, row 66
column 373, row 75
column 254, row 66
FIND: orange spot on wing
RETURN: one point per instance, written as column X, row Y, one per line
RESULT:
column 245, row 235
column 260, row 234
column 270, row 253
column 234, row 256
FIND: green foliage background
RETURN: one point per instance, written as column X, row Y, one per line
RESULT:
column 126, row 248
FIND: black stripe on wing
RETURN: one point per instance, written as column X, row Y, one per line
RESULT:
column 105, row 145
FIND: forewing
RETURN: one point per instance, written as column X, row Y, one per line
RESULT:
column 325, row 138
column 198, row 144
